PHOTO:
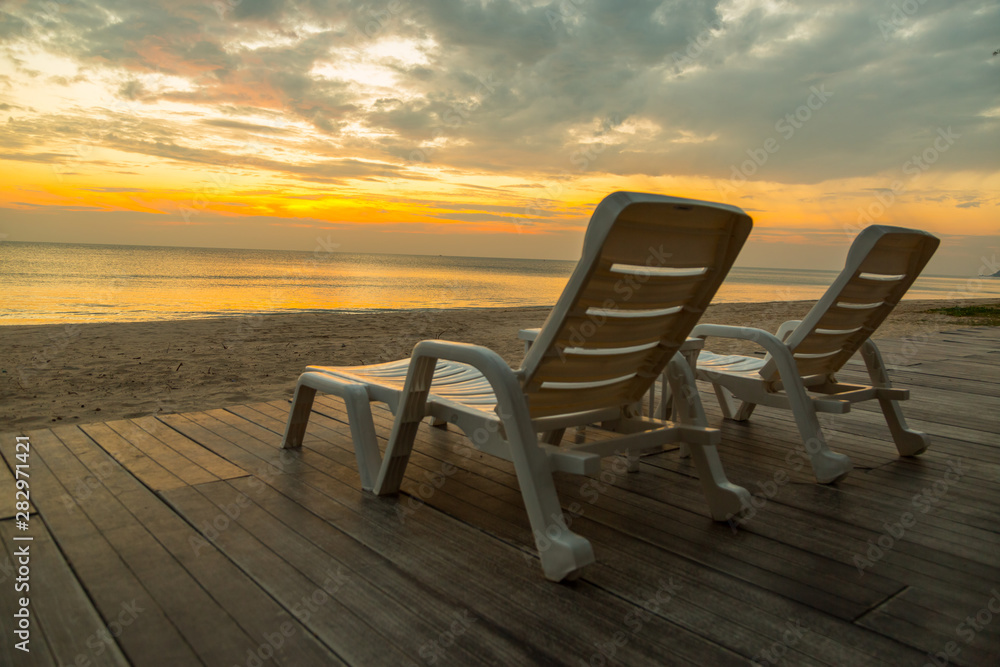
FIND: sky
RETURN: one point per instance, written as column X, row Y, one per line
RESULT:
column 493, row 127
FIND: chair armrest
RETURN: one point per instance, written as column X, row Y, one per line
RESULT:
column 766, row 340
column 505, row 381
column 529, row 334
column 786, row 328
column 780, row 353
column 691, row 344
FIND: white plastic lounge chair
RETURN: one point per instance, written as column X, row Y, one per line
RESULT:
column 650, row 266
column 802, row 359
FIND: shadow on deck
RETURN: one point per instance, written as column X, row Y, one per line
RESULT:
column 193, row 539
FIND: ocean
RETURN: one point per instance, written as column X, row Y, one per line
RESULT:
column 63, row 283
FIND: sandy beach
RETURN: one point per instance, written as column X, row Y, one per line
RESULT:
column 80, row 373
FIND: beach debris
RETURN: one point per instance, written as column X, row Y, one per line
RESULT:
column 178, row 366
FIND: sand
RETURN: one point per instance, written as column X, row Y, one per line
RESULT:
column 54, row 374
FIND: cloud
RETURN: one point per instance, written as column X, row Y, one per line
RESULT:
column 46, row 158
column 644, row 88
column 246, row 127
column 969, row 204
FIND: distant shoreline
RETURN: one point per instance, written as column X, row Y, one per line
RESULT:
column 56, row 373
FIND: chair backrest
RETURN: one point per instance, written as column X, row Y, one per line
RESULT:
column 650, row 266
column 881, row 265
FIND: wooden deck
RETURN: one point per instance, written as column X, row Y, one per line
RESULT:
column 193, row 539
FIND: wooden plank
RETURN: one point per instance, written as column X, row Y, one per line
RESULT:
column 940, row 628
column 149, row 638
column 213, row 463
column 204, row 626
column 188, row 471
column 59, row 605
column 188, row 425
column 133, row 459
column 923, row 638
column 370, row 588
column 338, row 626
column 451, row 484
column 263, row 620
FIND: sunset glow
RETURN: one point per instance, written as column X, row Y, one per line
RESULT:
column 493, row 128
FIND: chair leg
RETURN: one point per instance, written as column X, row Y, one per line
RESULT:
column 726, row 402
column 746, row 409
column 298, row 415
column 552, row 437
column 359, row 415
column 409, row 414
column 828, row 466
column 562, row 552
column 632, row 460
column 724, row 498
column 908, row 442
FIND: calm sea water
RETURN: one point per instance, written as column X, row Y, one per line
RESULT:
column 48, row 282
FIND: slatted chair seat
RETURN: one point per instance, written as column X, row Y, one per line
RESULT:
column 454, row 383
